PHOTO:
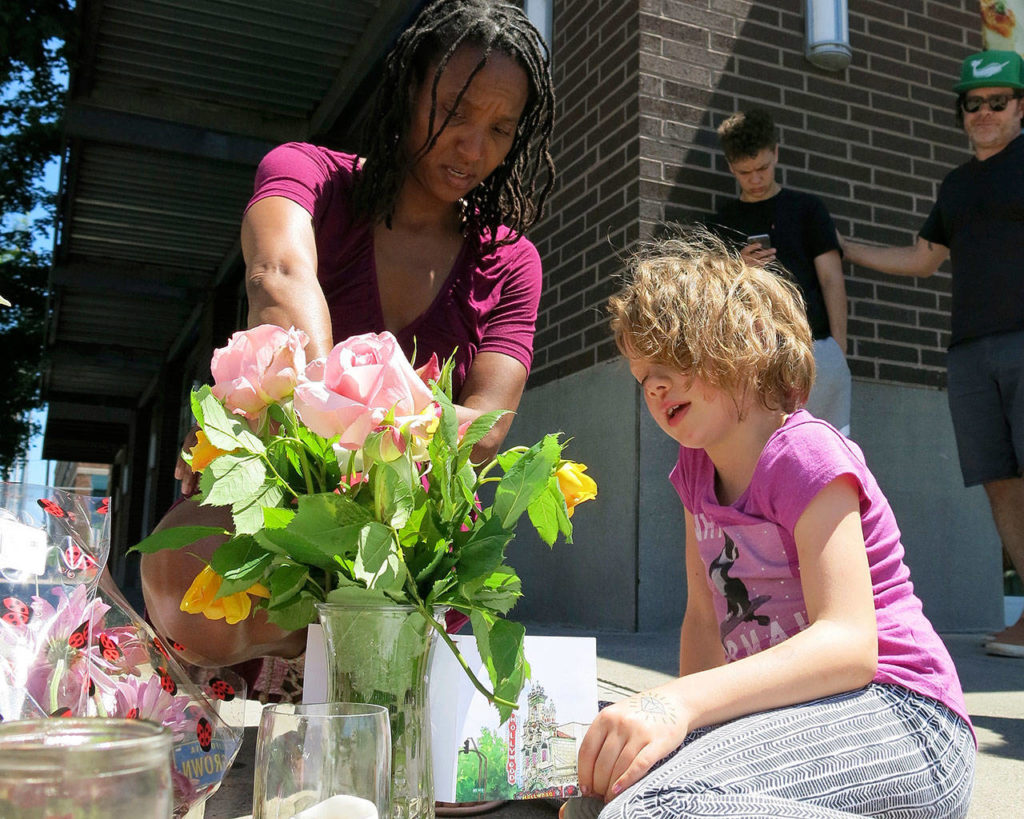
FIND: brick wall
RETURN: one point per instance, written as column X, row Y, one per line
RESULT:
column 643, row 84
column 595, row 207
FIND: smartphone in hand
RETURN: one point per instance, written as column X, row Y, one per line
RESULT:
column 762, row 239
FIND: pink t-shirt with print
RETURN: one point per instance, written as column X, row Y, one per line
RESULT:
column 753, row 569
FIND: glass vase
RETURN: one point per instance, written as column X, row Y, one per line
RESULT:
column 85, row 769
column 381, row 655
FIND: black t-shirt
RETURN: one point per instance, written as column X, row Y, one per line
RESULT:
column 801, row 229
column 979, row 216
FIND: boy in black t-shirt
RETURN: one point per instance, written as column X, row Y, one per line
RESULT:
column 802, row 238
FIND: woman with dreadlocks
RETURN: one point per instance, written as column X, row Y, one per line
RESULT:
column 422, row 237
column 425, row 236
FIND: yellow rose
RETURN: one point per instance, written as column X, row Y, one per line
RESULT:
column 575, row 486
column 200, row 598
column 203, row 453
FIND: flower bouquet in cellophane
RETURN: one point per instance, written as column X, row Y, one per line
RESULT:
column 71, row 645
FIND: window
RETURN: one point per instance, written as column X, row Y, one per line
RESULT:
column 540, row 14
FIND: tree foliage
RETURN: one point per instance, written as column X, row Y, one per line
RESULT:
column 35, row 39
column 471, row 769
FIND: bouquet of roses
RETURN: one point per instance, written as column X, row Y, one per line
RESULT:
column 351, row 480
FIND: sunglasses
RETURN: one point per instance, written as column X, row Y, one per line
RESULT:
column 995, row 103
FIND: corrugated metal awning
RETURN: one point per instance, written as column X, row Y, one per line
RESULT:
column 172, row 103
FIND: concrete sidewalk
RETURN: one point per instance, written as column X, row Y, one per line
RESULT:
column 628, row 663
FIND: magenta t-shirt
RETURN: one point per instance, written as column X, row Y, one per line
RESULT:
column 488, row 302
column 753, row 570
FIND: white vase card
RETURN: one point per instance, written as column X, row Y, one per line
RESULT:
column 533, row 754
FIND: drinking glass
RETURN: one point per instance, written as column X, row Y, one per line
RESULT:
column 323, row 761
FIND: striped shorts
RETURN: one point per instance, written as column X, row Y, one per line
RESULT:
column 879, row 751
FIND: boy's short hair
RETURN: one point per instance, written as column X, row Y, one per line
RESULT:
column 693, row 304
column 747, row 133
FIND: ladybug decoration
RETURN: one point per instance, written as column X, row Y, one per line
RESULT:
column 75, row 558
column 221, row 689
column 111, row 651
column 17, row 613
column 92, row 688
column 159, row 646
column 177, row 646
column 51, row 508
column 80, row 636
column 166, row 683
column 104, row 507
column 61, row 712
column 133, row 713
column 204, row 733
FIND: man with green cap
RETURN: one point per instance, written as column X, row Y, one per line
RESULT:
column 978, row 222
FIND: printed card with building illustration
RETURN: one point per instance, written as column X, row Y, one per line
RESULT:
column 532, row 755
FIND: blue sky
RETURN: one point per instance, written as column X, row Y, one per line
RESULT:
column 37, row 470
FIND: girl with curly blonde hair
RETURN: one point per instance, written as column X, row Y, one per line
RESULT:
column 810, row 682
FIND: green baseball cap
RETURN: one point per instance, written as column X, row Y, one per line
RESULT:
column 991, row 69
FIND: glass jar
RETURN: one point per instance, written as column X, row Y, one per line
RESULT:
column 85, row 769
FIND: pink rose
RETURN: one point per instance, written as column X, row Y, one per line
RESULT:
column 258, row 367
column 364, row 377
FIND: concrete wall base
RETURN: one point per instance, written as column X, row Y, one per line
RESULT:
column 625, row 569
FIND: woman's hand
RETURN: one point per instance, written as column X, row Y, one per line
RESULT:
column 182, row 471
column 626, row 739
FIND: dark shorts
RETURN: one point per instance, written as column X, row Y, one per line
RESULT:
column 986, row 400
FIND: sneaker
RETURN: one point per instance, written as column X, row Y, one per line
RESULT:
column 999, row 648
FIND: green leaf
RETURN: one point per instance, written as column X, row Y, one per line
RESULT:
column 445, row 441
column 298, row 613
column 394, row 493
column 527, row 478
column 322, row 552
column 484, row 551
column 477, row 431
column 232, row 478
column 285, row 582
column 498, row 593
column 506, row 460
column 410, row 533
column 175, row 537
column 247, row 513
column 277, row 517
column 355, row 595
column 549, row 515
column 240, row 560
column 321, row 514
column 500, row 643
column 439, row 588
column 377, row 560
column 222, row 429
column 443, row 385
column 466, row 484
